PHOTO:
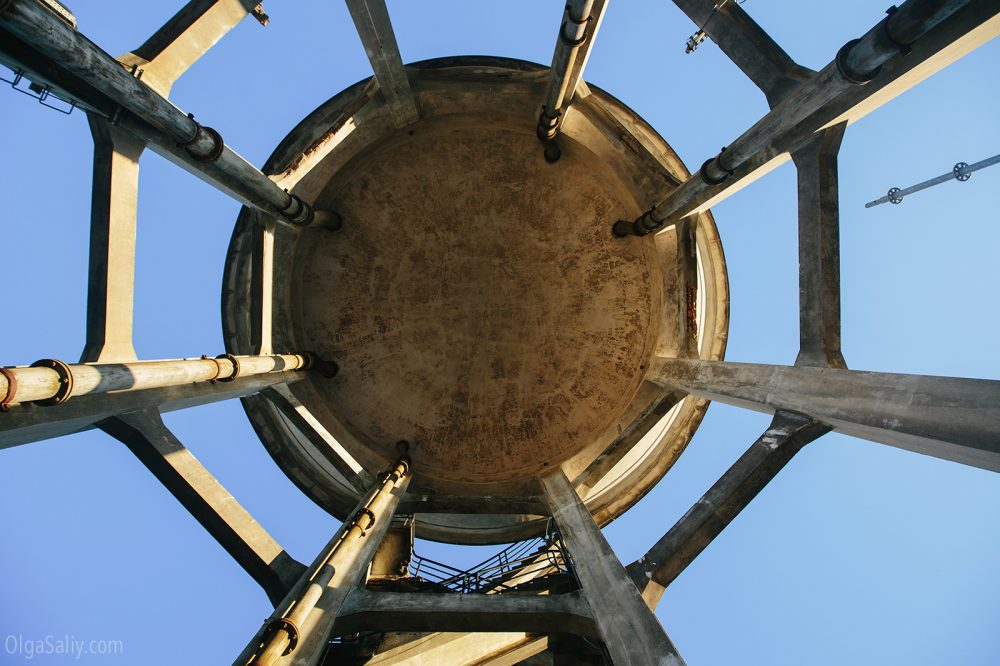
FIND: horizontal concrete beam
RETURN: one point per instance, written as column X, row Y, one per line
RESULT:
column 365, row 610
column 947, row 417
column 704, row 521
column 419, row 502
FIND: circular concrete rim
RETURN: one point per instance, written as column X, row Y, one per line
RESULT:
column 660, row 447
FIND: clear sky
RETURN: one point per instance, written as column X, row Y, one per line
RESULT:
column 857, row 553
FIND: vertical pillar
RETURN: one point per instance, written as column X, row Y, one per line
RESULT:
column 631, row 633
column 262, row 289
column 112, row 243
column 819, row 250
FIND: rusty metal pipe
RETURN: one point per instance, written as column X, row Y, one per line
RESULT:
column 858, row 62
column 279, row 636
column 50, row 381
column 64, row 47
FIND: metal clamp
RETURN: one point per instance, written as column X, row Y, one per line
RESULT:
column 65, row 380
column 236, row 368
column 846, row 71
column 11, row 389
column 277, row 624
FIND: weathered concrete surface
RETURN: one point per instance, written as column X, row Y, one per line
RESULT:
column 474, row 302
column 461, row 324
column 953, row 418
column 211, row 505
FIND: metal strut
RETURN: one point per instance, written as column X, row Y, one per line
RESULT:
column 960, row 172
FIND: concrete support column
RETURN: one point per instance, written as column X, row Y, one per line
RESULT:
column 371, row 18
column 111, row 281
column 704, row 521
column 298, row 630
column 262, row 291
column 51, row 382
column 630, row 631
column 32, row 423
column 580, row 22
column 947, row 417
column 819, row 250
column 200, row 493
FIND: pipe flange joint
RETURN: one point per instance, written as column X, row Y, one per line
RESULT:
column 904, row 47
column 357, row 519
column 217, row 146
column 572, row 43
column 281, row 624
column 715, row 163
column 8, row 399
column 297, row 211
column 65, row 380
column 548, row 125
column 961, row 172
column 894, row 196
column 647, row 224
column 623, row 229
column 236, row 368
column 847, row 72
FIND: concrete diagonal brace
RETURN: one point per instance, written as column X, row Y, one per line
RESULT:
column 145, row 434
column 952, row 418
column 786, row 436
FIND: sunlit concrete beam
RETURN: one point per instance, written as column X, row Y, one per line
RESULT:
column 952, row 418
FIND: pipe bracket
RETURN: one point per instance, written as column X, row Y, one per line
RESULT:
column 8, row 399
column 65, row 381
column 236, row 368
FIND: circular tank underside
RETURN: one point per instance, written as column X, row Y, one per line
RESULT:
column 475, row 301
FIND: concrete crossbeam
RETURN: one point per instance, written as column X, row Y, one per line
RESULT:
column 185, row 38
column 111, row 279
column 952, row 418
column 371, row 18
column 748, row 46
column 704, row 521
column 365, row 610
column 211, row 505
column 630, row 631
column 819, row 250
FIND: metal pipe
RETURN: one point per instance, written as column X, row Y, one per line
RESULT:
column 572, row 35
column 960, row 172
column 279, row 635
column 59, row 43
column 51, row 382
column 857, row 62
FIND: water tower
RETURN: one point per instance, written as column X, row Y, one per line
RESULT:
column 478, row 301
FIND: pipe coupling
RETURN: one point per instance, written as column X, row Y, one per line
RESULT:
column 8, row 398
column 849, row 73
column 65, row 380
column 297, row 211
column 236, row 368
column 203, row 135
column 281, row 624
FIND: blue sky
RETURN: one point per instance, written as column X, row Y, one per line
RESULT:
column 857, row 552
